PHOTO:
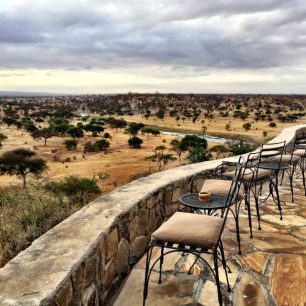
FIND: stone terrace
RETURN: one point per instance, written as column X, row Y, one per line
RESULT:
column 270, row 271
column 85, row 259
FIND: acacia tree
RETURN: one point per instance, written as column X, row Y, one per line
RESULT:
column 135, row 142
column 44, row 133
column 176, row 147
column 21, row 162
column 149, row 130
column 75, row 132
column 95, row 129
column 160, row 158
column 117, row 123
column 61, row 128
column 204, row 129
column 219, row 149
column 134, row 128
column 240, row 146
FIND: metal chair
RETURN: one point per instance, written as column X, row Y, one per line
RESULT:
column 194, row 234
column 262, row 167
column 299, row 149
column 216, row 183
column 270, row 160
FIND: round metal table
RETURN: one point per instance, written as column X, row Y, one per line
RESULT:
column 191, row 200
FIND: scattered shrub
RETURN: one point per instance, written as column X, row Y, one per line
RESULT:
column 71, row 144
column 77, row 189
column 272, row 124
column 135, row 142
column 89, row 147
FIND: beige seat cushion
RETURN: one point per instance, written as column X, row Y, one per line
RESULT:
column 248, row 175
column 300, row 152
column 286, row 158
column 220, row 187
column 190, row 229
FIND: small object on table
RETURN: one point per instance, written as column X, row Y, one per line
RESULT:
column 204, row 196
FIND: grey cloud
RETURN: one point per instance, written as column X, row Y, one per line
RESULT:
column 193, row 34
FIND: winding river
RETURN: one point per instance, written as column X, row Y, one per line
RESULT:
column 209, row 138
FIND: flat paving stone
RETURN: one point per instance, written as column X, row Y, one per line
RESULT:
column 288, row 220
column 249, row 293
column 232, row 277
column 174, row 290
column 209, row 295
column 300, row 233
column 255, row 261
column 270, row 271
column 288, row 280
column 277, row 243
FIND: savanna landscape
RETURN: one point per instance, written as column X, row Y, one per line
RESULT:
column 58, row 153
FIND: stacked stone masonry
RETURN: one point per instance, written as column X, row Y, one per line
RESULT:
column 84, row 259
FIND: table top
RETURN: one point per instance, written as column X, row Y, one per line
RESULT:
column 192, row 200
column 273, row 165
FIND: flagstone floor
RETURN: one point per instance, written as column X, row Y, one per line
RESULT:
column 271, row 270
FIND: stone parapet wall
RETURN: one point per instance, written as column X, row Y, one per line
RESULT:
column 84, row 259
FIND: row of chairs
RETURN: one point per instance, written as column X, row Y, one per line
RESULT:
column 199, row 234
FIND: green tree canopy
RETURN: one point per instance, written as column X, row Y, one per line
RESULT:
column 44, row 133
column 102, row 145
column 60, row 128
column 77, row 189
column 135, row 142
column 192, row 141
column 75, row 132
column 21, row 162
column 160, row 158
column 219, row 149
column 70, row 144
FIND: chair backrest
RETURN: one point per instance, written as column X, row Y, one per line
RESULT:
column 236, row 184
column 299, row 141
column 272, row 152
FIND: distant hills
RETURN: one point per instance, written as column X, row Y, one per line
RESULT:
column 27, row 94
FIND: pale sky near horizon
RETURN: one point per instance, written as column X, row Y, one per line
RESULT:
column 110, row 46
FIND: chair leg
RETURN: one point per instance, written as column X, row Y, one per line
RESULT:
column 161, row 263
column 257, row 210
column 303, row 175
column 236, row 217
column 291, row 182
column 238, row 235
column 147, row 274
column 217, row 277
column 247, row 203
column 277, row 198
column 260, row 189
column 283, row 174
column 224, row 265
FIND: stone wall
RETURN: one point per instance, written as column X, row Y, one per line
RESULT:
column 84, row 259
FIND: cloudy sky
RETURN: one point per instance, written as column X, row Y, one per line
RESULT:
column 101, row 46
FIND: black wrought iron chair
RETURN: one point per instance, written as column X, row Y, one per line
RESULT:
column 195, row 234
column 293, row 160
column 299, row 149
column 218, row 184
column 262, row 167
